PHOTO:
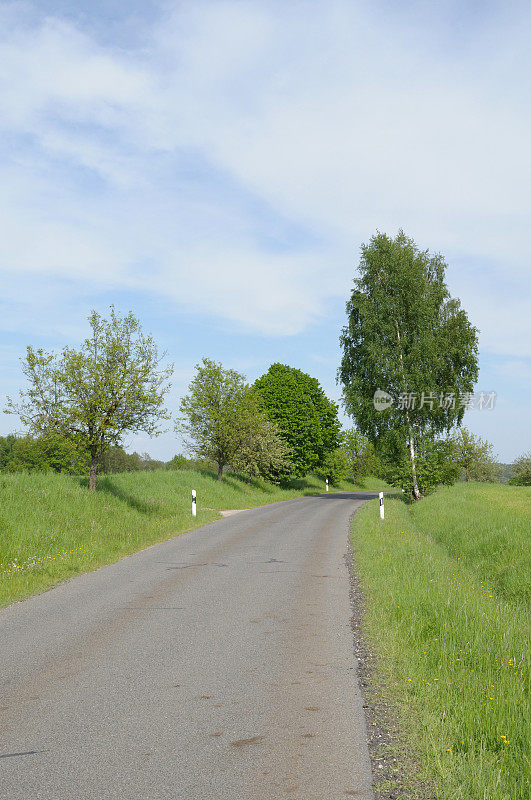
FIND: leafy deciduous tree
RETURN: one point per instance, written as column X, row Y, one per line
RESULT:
column 223, row 422
column 336, row 466
column 435, row 463
column 474, row 456
column 405, row 336
column 92, row 396
column 305, row 417
column 47, row 453
column 210, row 413
column 178, row 462
column 260, row 449
column 521, row 471
column 361, row 453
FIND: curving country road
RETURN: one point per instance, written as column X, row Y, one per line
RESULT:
column 216, row 666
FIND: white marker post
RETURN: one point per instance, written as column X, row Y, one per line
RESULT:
column 194, row 503
column 327, row 484
column 380, row 495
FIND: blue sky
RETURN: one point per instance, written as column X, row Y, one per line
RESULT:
column 215, row 166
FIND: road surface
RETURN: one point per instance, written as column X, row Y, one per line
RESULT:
column 216, row 666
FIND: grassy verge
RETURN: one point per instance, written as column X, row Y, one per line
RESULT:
column 51, row 528
column 446, row 585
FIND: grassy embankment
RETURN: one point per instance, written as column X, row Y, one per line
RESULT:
column 447, row 584
column 51, row 528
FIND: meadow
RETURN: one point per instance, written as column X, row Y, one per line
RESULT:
column 52, row 528
column 446, row 583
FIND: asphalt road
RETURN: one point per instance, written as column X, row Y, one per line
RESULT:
column 215, row 666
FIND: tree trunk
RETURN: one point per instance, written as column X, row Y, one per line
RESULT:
column 92, row 475
column 416, row 493
column 220, row 471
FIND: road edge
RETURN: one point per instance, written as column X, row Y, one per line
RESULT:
column 393, row 765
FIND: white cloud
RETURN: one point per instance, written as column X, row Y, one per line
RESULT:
column 55, row 69
column 157, row 168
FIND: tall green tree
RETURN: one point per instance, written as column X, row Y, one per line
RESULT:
column 112, row 385
column 407, row 337
column 305, row 417
column 210, row 412
column 222, row 421
column 474, row 456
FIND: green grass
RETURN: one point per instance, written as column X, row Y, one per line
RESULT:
column 446, row 583
column 51, row 528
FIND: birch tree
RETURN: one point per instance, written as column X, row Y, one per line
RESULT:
column 405, row 336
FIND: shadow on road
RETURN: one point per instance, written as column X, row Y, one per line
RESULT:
column 364, row 495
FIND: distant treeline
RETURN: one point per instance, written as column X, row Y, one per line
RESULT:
column 56, row 454
column 24, row 453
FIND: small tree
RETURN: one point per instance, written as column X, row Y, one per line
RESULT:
column 210, row 412
column 521, row 471
column 178, row 462
column 406, row 337
column 435, row 463
column 114, row 384
column 361, row 453
column 260, row 449
column 474, row 456
column 336, row 466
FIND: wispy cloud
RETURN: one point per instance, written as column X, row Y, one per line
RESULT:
column 247, row 149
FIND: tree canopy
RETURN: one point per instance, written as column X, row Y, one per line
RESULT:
column 209, row 413
column 336, row 466
column 305, row 417
column 474, row 456
column 47, row 453
column 361, row 453
column 113, row 384
column 406, row 337
column 222, row 421
column 521, row 471
column 260, row 450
